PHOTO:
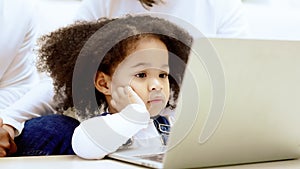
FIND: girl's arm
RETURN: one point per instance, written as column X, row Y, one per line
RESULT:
column 99, row 136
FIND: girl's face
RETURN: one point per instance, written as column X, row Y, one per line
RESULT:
column 146, row 71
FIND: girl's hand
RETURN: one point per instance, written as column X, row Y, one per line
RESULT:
column 124, row 96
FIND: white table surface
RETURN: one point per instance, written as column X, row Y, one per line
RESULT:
column 74, row 162
column 60, row 162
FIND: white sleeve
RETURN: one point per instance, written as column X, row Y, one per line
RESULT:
column 38, row 101
column 17, row 68
column 99, row 136
column 23, row 94
column 231, row 19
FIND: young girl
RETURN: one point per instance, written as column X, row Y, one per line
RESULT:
column 132, row 86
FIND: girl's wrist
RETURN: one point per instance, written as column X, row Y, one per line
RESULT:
column 136, row 113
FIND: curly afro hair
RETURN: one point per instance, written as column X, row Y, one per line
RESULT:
column 106, row 43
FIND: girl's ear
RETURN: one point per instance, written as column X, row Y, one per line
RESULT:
column 102, row 83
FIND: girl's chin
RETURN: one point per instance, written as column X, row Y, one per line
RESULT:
column 154, row 114
column 155, row 111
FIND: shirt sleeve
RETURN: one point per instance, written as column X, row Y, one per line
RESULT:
column 23, row 93
column 38, row 101
column 99, row 136
column 18, row 71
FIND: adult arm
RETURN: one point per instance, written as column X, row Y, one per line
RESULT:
column 38, row 101
column 23, row 94
column 17, row 60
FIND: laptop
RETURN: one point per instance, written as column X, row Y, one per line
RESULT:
column 239, row 103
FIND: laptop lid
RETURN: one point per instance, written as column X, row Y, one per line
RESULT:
column 238, row 104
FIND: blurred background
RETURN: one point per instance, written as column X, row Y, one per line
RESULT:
column 268, row 19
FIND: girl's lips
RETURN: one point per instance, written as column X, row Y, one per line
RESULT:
column 157, row 100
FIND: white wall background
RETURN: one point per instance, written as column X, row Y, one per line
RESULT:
column 273, row 19
column 268, row 19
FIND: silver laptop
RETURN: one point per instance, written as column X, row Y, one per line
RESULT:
column 239, row 103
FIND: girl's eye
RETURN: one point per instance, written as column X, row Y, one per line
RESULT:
column 163, row 75
column 140, row 75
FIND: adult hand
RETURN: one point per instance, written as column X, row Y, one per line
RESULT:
column 7, row 144
column 124, row 96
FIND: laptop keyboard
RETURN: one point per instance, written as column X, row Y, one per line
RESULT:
column 153, row 157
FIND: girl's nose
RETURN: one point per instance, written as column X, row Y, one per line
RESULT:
column 155, row 84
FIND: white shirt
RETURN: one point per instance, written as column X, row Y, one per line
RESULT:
column 213, row 18
column 23, row 93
